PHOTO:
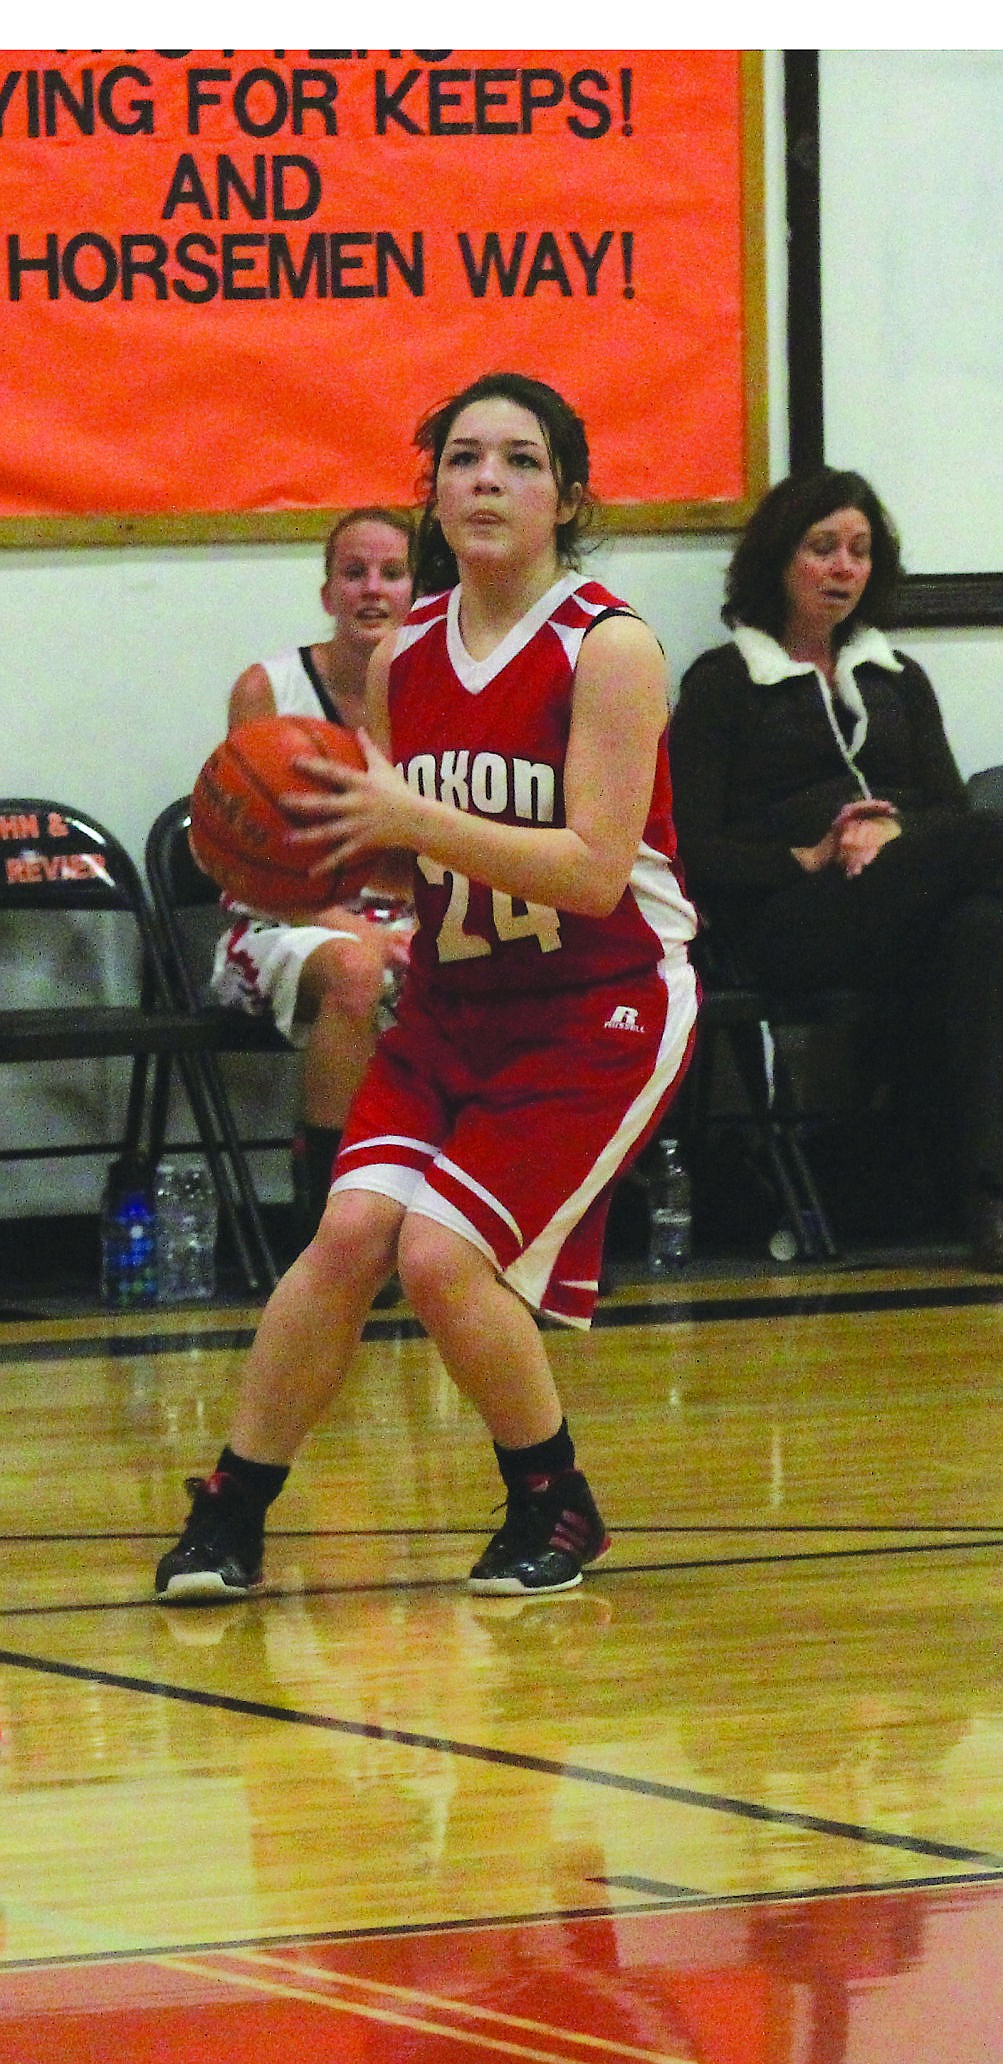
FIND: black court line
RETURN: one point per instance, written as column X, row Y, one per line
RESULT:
column 398, row 1586
column 989, row 1539
column 671, row 1898
column 546, row 1766
column 119, row 1347
column 391, row 1931
column 463, row 1533
column 810, row 1304
column 678, row 1311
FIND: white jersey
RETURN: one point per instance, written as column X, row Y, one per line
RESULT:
column 297, row 686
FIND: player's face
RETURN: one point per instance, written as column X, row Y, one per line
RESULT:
column 368, row 589
column 828, row 574
column 496, row 496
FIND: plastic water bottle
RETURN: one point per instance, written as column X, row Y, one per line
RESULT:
column 187, row 1224
column 128, row 1235
column 670, row 1241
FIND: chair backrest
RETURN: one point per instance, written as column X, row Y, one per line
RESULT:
column 185, row 900
column 186, row 905
column 985, row 789
column 55, row 857
column 84, row 1001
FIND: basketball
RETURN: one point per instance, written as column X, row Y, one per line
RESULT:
column 241, row 835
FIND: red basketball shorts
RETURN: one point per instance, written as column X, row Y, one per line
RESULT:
column 509, row 1121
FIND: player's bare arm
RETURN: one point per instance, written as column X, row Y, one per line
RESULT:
column 251, row 696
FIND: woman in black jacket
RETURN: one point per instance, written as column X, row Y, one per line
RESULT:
column 823, row 824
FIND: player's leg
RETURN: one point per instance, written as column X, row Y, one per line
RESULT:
column 493, row 1350
column 337, row 991
column 516, row 1202
column 299, row 1358
column 321, row 984
column 486, row 1336
column 337, row 1051
column 281, row 971
column 307, row 1334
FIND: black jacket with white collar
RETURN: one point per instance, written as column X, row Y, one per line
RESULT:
column 764, row 755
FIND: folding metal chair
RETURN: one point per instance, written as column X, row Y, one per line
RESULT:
column 749, row 1018
column 187, row 911
column 56, row 860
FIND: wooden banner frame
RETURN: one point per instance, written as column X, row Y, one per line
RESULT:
column 268, row 525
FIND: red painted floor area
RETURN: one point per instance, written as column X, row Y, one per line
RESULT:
column 911, row 1977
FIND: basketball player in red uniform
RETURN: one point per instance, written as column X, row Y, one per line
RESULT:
column 516, row 750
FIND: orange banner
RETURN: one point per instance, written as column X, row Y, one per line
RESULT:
column 232, row 281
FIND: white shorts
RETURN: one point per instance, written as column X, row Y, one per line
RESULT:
column 258, row 964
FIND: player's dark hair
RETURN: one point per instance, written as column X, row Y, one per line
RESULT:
column 754, row 584
column 398, row 519
column 566, row 442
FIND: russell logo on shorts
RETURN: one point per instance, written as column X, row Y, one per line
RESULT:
column 623, row 1019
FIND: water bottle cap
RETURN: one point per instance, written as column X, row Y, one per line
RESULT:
column 129, row 1178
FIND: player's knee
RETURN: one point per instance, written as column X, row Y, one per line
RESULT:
column 435, row 1265
column 353, row 1242
column 346, row 991
column 346, row 1017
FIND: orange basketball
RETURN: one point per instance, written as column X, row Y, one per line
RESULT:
column 240, row 834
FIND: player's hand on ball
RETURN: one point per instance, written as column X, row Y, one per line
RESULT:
column 350, row 811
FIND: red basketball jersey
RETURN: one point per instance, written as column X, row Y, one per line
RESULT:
column 490, row 736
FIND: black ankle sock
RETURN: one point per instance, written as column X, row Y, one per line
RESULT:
column 261, row 1482
column 545, row 1458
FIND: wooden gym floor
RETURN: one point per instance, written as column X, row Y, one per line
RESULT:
column 738, row 1800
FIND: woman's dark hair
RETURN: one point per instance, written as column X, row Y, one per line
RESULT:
column 566, row 442
column 397, row 519
column 754, row 584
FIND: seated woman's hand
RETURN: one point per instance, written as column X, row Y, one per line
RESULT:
column 854, row 838
column 824, row 854
column 861, row 831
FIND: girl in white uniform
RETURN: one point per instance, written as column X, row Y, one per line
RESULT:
column 329, row 983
